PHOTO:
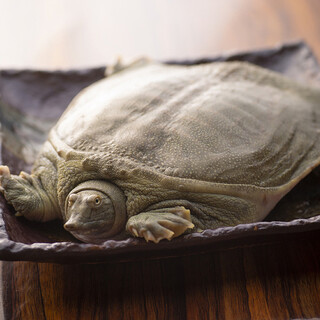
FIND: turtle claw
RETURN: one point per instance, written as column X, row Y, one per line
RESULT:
column 149, row 236
column 160, row 224
column 18, row 214
column 4, row 173
column 134, row 232
column 26, row 176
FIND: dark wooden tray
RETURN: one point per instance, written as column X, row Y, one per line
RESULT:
column 30, row 103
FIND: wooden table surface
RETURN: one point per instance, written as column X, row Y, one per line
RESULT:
column 273, row 278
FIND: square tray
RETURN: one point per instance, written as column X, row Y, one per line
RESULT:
column 32, row 101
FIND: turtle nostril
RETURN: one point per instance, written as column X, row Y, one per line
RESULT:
column 71, row 226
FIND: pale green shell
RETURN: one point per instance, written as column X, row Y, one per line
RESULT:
column 231, row 123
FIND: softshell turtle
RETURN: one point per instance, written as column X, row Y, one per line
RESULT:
column 158, row 150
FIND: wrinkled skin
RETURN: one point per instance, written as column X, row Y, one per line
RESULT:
column 166, row 150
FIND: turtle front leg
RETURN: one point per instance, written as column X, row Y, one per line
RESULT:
column 26, row 195
column 159, row 224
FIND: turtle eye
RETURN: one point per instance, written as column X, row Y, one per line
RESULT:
column 94, row 201
column 97, row 201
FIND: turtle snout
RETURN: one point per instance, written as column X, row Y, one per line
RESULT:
column 71, row 225
column 76, row 211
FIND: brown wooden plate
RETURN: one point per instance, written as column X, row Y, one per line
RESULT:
column 32, row 101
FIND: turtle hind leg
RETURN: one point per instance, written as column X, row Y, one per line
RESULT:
column 156, row 225
column 25, row 194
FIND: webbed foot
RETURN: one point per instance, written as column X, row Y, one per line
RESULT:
column 160, row 224
column 20, row 191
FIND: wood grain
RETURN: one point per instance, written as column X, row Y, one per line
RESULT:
column 261, row 23
column 278, row 279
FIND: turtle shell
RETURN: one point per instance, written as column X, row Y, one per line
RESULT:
column 227, row 123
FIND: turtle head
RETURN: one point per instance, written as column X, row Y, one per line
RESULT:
column 95, row 211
